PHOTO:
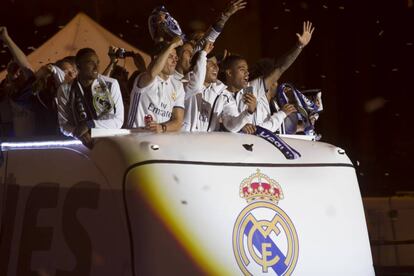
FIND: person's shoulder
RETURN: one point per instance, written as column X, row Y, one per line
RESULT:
column 219, row 87
column 177, row 75
column 227, row 95
column 107, row 79
column 176, row 82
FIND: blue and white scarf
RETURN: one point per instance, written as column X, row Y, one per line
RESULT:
column 282, row 146
column 306, row 108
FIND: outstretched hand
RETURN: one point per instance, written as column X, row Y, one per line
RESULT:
column 112, row 54
column 208, row 47
column 306, row 35
column 234, row 6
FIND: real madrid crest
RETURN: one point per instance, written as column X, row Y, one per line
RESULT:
column 102, row 101
column 174, row 95
column 265, row 241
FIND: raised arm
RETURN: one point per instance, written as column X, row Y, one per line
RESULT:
column 197, row 76
column 156, row 67
column 287, row 60
column 215, row 30
column 16, row 52
column 113, row 60
column 233, row 7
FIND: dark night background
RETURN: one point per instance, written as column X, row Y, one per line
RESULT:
column 361, row 56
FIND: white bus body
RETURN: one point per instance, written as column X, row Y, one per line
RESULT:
column 180, row 204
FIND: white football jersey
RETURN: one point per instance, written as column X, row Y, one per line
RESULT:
column 262, row 117
column 203, row 109
column 156, row 99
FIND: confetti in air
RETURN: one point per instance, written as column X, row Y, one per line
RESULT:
column 374, row 104
column 43, row 20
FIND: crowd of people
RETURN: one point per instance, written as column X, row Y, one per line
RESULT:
column 188, row 86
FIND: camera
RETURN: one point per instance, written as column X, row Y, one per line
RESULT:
column 121, row 53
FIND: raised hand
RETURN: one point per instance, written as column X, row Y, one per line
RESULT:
column 112, row 54
column 208, row 47
column 306, row 35
column 234, row 6
column 177, row 41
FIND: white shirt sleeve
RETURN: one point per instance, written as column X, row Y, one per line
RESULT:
column 113, row 121
column 233, row 120
column 210, row 35
column 197, row 76
column 274, row 121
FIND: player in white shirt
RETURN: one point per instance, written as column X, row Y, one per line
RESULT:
column 157, row 94
column 207, row 102
column 90, row 101
column 236, row 75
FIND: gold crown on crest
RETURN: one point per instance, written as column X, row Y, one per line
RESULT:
column 259, row 186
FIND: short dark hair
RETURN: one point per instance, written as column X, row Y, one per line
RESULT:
column 69, row 59
column 83, row 52
column 262, row 68
column 227, row 63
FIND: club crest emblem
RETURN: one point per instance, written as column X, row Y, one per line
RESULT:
column 265, row 241
column 102, row 103
column 174, row 95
